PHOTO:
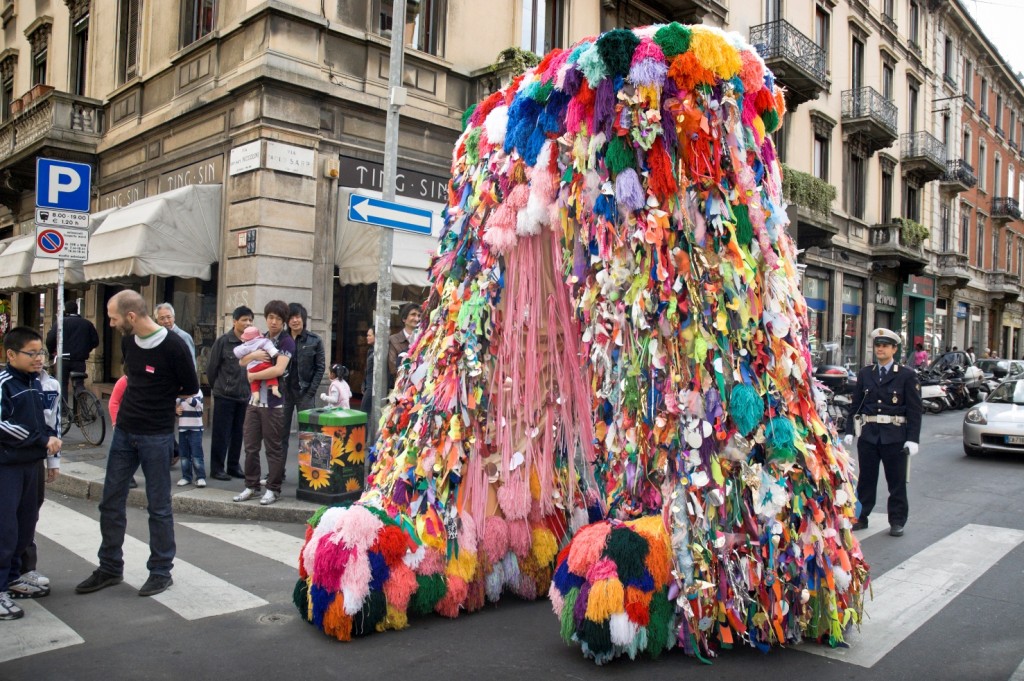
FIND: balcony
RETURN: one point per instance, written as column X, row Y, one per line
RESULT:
column 953, row 269
column 797, row 62
column 1013, row 145
column 969, row 101
column 50, row 123
column 889, row 22
column 999, row 131
column 922, row 155
column 895, row 247
column 1003, row 286
column 984, row 115
column 810, row 208
column 959, row 177
column 1005, row 209
column 870, row 116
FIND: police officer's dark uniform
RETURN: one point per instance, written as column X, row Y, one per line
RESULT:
column 890, row 409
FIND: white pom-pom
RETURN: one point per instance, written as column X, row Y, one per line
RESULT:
column 622, row 630
column 842, row 577
column 496, row 124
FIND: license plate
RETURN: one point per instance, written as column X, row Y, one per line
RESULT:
column 1015, row 439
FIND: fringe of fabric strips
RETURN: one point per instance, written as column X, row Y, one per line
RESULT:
column 609, row 399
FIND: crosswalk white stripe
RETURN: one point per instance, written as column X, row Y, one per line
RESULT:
column 877, row 522
column 196, row 593
column 284, row 548
column 915, row 590
column 1018, row 675
column 39, row 631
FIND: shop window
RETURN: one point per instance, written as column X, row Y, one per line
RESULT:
column 198, row 19
column 851, row 341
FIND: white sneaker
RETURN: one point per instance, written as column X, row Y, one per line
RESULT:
column 8, row 610
column 247, row 494
column 201, row 482
column 269, row 497
column 21, row 588
column 184, row 483
column 34, row 577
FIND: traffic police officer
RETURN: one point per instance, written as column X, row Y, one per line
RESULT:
column 888, row 407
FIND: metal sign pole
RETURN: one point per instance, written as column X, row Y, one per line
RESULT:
column 60, row 339
column 382, row 325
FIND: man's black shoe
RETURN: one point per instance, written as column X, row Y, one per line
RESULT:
column 155, row 584
column 896, row 531
column 860, row 524
column 220, row 475
column 237, row 474
column 98, row 580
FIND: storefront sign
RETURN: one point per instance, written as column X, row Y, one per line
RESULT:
column 885, row 294
column 409, row 183
column 962, row 310
column 289, row 158
column 922, row 287
column 210, row 171
column 125, row 196
column 245, row 158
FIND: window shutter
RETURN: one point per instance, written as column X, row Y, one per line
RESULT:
column 131, row 57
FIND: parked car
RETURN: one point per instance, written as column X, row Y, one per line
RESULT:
column 959, row 360
column 1001, row 369
column 997, row 424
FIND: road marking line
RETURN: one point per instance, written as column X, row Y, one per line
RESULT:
column 910, row 594
column 877, row 522
column 1018, row 675
column 39, row 631
column 196, row 593
column 284, row 548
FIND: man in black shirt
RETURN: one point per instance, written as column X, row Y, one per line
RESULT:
column 159, row 369
column 80, row 339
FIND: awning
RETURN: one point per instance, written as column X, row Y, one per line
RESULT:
column 356, row 247
column 16, row 263
column 174, row 234
column 44, row 270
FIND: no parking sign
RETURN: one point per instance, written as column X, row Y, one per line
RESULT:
column 61, row 242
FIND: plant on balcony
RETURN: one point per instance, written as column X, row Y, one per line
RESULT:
column 912, row 233
column 516, row 59
column 806, row 190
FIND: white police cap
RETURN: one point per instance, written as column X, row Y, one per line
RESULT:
column 885, row 335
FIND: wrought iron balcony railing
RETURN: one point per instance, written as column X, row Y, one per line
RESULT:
column 960, row 171
column 1006, row 207
column 889, row 22
column 999, row 131
column 867, row 102
column 922, row 144
column 969, row 101
column 780, row 39
column 984, row 115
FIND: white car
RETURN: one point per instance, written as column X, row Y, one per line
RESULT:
column 997, row 424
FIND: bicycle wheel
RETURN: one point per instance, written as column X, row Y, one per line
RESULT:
column 66, row 417
column 90, row 418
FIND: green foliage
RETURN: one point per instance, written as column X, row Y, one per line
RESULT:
column 805, row 190
column 516, row 59
column 912, row 233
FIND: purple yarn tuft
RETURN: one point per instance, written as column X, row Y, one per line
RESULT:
column 648, row 72
column 628, row 190
column 604, row 106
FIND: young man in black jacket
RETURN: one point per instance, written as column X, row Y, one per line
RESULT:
column 305, row 371
column 25, row 440
column 230, row 397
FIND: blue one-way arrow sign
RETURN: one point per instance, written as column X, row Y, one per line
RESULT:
column 389, row 214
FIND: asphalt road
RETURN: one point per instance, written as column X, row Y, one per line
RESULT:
column 951, row 604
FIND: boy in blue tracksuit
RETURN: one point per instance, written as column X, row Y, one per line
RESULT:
column 25, row 439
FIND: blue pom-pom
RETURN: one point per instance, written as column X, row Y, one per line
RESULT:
column 379, row 571
column 566, row 580
column 746, row 408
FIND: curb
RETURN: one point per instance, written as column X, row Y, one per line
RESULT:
column 85, row 481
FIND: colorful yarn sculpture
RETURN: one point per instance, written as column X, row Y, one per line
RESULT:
column 610, row 392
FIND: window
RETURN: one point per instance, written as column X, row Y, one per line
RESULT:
column 198, row 18
column 966, row 148
column 772, row 10
column 997, row 182
column 946, row 236
column 6, row 97
column 1011, row 129
column 887, row 79
column 915, row 20
column 79, row 55
column 912, row 89
column 128, row 40
column 886, row 214
column 965, row 229
column 946, row 132
column 911, row 202
column 543, row 25
column 968, row 79
column 39, row 67
column 782, row 137
column 1020, row 257
column 979, row 243
column 821, row 157
column 425, row 31
column 995, row 249
column 999, row 113
column 981, row 166
column 855, row 185
column 857, row 64
column 1009, row 250
column 982, row 99
column 39, row 41
column 889, row 9
column 821, row 31
column 948, row 59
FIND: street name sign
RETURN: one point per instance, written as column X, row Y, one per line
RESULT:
column 389, row 214
column 62, row 242
column 62, row 218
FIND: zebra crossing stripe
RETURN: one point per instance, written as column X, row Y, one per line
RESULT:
column 284, row 548
column 910, row 594
column 877, row 522
column 196, row 593
column 1018, row 675
column 39, row 631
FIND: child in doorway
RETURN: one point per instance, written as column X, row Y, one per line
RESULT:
column 190, row 440
column 339, row 394
column 253, row 340
column 25, row 440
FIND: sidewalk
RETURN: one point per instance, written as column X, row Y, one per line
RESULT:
column 83, row 468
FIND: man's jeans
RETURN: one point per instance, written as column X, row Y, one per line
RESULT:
column 127, row 453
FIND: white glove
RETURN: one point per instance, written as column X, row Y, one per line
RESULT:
column 848, row 440
column 912, row 448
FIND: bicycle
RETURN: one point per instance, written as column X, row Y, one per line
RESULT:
column 85, row 410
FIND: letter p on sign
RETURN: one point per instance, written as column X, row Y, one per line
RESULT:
column 63, row 185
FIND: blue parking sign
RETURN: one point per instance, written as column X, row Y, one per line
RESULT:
column 63, row 185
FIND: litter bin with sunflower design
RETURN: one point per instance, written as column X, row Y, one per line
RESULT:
column 332, row 450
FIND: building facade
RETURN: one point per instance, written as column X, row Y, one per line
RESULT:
column 228, row 137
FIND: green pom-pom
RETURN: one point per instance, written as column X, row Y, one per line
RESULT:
column 543, row 92
column 744, row 228
column 300, row 597
column 771, row 120
column 592, row 66
column 660, row 624
column 596, row 638
column 619, row 155
column 314, row 519
column 628, row 550
column 673, row 39
column 432, row 589
column 568, row 617
column 473, row 146
column 616, row 48
column 374, row 609
column 746, row 408
column 466, row 115
column 779, row 437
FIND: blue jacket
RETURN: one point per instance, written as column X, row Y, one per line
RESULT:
column 23, row 429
